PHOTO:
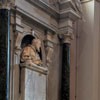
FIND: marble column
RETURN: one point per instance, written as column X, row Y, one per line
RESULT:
column 4, row 54
column 66, row 72
column 66, row 37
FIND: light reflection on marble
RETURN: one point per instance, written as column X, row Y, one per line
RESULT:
column 35, row 85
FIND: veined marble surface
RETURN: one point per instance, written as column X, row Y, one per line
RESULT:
column 35, row 85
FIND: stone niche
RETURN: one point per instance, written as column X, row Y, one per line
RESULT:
column 33, row 82
column 33, row 78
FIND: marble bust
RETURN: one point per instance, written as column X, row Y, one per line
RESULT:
column 30, row 53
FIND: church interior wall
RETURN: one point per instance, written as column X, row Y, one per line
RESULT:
column 85, row 54
column 88, row 52
column 97, row 50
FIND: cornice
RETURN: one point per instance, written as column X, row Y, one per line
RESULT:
column 67, row 10
column 34, row 67
column 63, row 5
column 86, row 1
column 45, row 7
column 69, row 13
column 67, row 4
column 29, row 16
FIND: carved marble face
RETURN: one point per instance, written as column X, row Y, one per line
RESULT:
column 37, row 44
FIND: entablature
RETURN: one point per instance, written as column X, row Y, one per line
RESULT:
column 45, row 6
column 44, row 14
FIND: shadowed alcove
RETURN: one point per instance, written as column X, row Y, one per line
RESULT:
column 27, row 40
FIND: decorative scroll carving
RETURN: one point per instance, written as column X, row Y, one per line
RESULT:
column 49, row 48
column 30, row 53
column 49, row 52
column 6, row 3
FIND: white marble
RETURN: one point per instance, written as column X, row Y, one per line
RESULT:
column 35, row 85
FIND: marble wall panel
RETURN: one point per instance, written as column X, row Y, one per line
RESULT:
column 35, row 85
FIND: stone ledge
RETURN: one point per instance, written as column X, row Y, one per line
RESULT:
column 40, row 69
column 46, row 7
column 27, row 15
column 67, row 4
column 69, row 13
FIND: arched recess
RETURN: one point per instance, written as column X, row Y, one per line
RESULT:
column 21, row 40
column 18, row 41
column 27, row 39
column 21, row 37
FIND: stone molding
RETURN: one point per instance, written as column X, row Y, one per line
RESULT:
column 6, row 4
column 85, row 1
column 67, row 9
column 66, row 32
column 66, row 37
column 67, row 14
column 40, row 69
column 45, row 6
column 32, row 17
column 49, row 47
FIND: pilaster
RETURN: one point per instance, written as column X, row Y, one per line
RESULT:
column 49, row 45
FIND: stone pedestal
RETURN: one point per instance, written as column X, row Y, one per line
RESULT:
column 33, row 82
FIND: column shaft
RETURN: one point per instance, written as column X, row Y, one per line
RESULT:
column 66, row 72
column 4, row 54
